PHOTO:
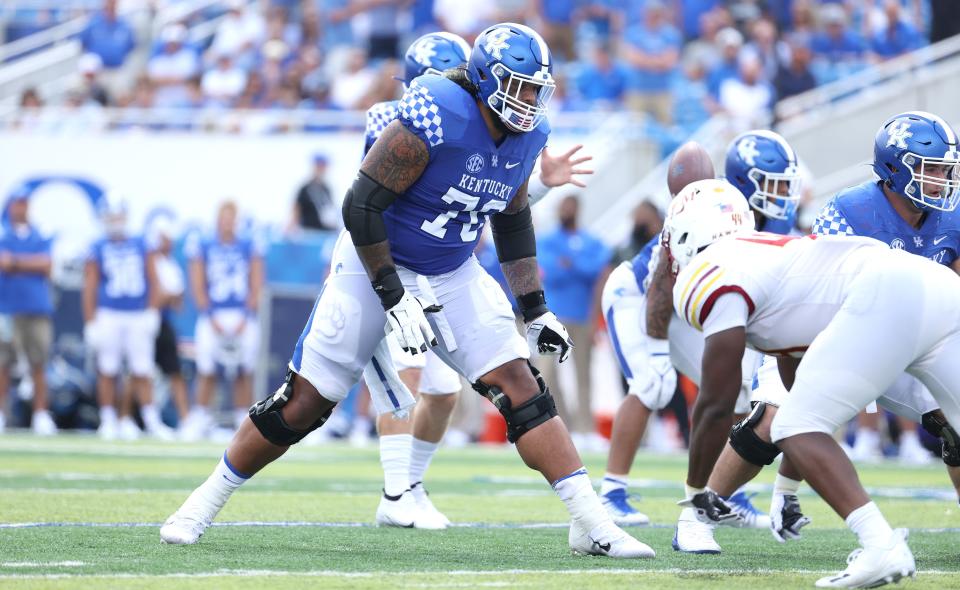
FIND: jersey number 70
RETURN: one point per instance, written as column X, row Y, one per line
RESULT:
column 468, row 231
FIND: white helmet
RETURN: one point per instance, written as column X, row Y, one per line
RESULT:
column 703, row 212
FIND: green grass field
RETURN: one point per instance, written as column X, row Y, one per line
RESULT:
column 512, row 532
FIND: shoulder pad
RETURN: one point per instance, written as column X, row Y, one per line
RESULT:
column 436, row 109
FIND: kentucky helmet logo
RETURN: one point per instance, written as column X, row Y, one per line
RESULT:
column 496, row 42
column 747, row 150
column 898, row 134
column 425, row 51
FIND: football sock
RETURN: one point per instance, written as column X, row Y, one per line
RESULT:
column 870, row 527
column 395, row 459
column 582, row 501
column 611, row 482
column 784, row 485
column 421, row 453
column 216, row 490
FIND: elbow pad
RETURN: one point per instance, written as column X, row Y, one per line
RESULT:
column 363, row 209
column 513, row 235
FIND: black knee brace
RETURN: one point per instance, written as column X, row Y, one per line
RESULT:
column 747, row 444
column 266, row 416
column 528, row 415
column 936, row 424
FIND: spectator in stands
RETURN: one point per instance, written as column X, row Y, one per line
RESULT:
column 557, row 29
column 223, row 83
column 652, row 49
column 337, row 30
column 353, row 84
column 89, row 66
column 838, row 49
column 690, row 13
column 572, row 260
column 765, row 46
column 466, row 19
column 171, row 68
column 385, row 17
column 729, row 42
column 108, row 36
column 315, row 207
column 602, row 82
column 693, row 104
column 26, row 301
column 239, row 34
column 647, row 223
column 170, row 284
column 795, row 77
column 748, row 98
column 599, row 20
column 899, row 36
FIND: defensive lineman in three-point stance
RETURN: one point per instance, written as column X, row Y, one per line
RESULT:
column 462, row 151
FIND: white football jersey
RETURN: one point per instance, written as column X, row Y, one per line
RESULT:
column 793, row 286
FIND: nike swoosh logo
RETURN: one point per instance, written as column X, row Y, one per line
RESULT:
column 605, row 547
column 938, row 240
column 513, row 165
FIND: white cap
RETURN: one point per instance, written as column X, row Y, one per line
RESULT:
column 89, row 63
column 729, row 36
column 173, row 34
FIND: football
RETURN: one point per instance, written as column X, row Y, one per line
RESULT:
column 689, row 163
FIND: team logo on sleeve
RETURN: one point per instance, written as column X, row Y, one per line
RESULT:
column 475, row 163
column 898, row 134
column 897, row 244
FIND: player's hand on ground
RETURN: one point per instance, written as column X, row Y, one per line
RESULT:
column 563, row 169
column 711, row 507
column 407, row 321
column 786, row 519
column 547, row 336
column 663, row 376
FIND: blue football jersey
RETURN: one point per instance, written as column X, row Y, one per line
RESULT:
column 641, row 263
column 227, row 269
column 123, row 273
column 378, row 117
column 433, row 227
column 864, row 210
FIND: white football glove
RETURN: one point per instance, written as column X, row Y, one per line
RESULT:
column 547, row 336
column 786, row 520
column 408, row 323
column 663, row 377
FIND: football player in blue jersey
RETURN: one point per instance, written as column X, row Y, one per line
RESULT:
column 407, row 446
column 764, row 168
column 121, row 320
column 226, row 272
column 461, row 151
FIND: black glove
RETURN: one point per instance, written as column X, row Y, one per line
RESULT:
column 710, row 507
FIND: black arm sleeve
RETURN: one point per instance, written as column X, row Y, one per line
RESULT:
column 363, row 209
column 513, row 235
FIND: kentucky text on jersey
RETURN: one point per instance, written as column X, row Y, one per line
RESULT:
column 434, row 226
column 486, row 185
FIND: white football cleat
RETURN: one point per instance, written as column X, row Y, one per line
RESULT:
column 43, row 424
column 606, row 539
column 128, row 429
column 196, row 426
column 400, row 512
column 429, row 517
column 870, row 568
column 618, row 506
column 188, row 523
column 693, row 534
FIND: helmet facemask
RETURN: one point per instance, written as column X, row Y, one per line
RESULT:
column 776, row 194
column 933, row 173
column 506, row 101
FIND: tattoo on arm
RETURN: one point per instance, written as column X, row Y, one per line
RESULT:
column 660, row 300
column 522, row 275
column 396, row 160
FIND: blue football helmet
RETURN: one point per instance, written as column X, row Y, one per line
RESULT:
column 432, row 54
column 507, row 61
column 915, row 154
column 763, row 166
